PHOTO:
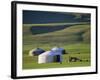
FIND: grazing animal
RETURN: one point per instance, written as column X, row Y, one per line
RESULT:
column 74, row 59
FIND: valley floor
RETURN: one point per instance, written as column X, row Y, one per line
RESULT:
column 79, row 50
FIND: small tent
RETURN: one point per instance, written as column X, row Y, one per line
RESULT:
column 55, row 55
column 36, row 51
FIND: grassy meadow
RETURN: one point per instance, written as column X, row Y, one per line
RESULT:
column 74, row 38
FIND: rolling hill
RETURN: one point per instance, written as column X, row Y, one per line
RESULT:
column 68, row 35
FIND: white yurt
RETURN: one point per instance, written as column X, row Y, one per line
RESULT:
column 36, row 51
column 55, row 55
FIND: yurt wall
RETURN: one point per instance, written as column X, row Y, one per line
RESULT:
column 45, row 57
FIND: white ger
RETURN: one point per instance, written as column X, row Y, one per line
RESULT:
column 55, row 55
column 36, row 51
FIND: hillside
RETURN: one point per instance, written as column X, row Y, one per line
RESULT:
column 68, row 35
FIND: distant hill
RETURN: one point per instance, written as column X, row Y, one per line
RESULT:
column 37, row 17
column 46, row 28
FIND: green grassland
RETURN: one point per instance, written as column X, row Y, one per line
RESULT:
column 75, row 39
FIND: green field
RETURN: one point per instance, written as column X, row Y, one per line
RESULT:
column 75, row 39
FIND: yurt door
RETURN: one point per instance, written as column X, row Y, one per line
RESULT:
column 57, row 58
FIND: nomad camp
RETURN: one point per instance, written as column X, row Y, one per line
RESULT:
column 54, row 55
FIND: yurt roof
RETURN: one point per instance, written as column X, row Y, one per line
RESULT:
column 37, row 49
column 45, row 53
column 57, row 49
column 50, row 53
